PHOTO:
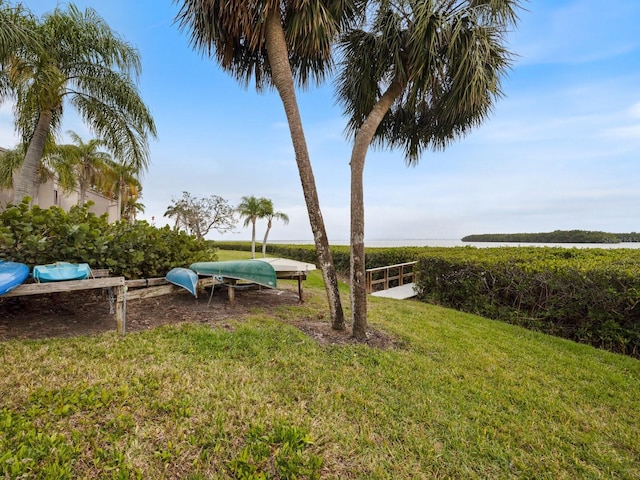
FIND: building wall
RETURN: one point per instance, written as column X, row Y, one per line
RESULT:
column 49, row 194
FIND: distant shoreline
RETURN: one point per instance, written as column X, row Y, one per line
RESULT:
column 557, row 236
column 451, row 243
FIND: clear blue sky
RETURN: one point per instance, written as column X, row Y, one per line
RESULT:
column 560, row 151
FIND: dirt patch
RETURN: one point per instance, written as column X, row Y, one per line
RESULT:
column 88, row 312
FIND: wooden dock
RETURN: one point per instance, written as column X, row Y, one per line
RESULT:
column 392, row 281
column 399, row 293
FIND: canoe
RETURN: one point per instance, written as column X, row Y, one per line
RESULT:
column 185, row 278
column 252, row 271
column 287, row 267
column 61, row 271
column 12, row 274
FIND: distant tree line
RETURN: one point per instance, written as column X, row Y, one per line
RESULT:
column 557, row 236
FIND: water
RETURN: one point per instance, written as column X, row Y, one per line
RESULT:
column 460, row 243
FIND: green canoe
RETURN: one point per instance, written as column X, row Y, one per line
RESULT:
column 253, row 271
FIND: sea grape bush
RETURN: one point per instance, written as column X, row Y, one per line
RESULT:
column 38, row 236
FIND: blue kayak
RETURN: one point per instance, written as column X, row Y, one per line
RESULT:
column 61, row 271
column 185, row 278
column 12, row 274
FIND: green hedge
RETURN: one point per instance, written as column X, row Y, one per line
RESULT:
column 587, row 295
column 38, row 236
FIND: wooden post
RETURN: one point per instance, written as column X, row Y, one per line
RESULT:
column 232, row 294
column 121, row 316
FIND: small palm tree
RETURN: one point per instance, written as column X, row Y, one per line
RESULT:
column 271, row 216
column 180, row 211
column 52, row 167
column 10, row 161
column 119, row 181
column 251, row 209
column 78, row 61
column 87, row 162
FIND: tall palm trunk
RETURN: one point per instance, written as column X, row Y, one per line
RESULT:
column 283, row 80
column 25, row 185
column 253, row 237
column 264, row 242
column 357, row 262
column 83, row 190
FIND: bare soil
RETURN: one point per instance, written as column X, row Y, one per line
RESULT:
column 88, row 312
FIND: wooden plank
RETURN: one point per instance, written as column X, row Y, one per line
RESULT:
column 68, row 286
column 151, row 292
column 99, row 272
column 291, row 275
column 146, row 282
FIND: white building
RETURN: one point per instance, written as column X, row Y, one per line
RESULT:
column 49, row 194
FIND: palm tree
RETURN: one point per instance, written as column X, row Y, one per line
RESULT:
column 10, row 161
column 51, row 167
column 120, row 181
column 273, row 43
column 88, row 163
column 180, row 211
column 15, row 29
column 419, row 75
column 131, row 205
column 270, row 215
column 251, row 209
column 82, row 63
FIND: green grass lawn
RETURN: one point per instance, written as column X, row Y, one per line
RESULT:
column 459, row 396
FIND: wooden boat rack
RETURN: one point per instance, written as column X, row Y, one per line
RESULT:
column 119, row 289
column 117, row 285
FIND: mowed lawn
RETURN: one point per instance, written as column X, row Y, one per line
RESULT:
column 457, row 396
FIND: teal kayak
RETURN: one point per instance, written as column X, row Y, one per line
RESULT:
column 12, row 274
column 252, row 271
column 185, row 278
column 61, row 271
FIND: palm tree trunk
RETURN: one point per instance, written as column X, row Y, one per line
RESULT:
column 283, row 80
column 120, row 195
column 357, row 261
column 264, row 242
column 25, row 184
column 253, row 237
column 83, row 192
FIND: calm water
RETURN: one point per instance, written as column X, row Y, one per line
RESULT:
column 459, row 243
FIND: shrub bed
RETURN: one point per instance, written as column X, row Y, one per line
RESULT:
column 38, row 236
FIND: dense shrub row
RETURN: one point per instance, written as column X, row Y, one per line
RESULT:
column 37, row 236
column 587, row 295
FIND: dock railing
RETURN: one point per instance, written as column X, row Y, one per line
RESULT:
column 390, row 276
